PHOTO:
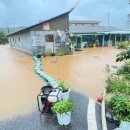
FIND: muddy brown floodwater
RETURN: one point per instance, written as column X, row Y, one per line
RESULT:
column 19, row 85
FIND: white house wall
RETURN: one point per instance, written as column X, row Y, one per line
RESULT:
column 26, row 40
column 22, row 41
column 40, row 39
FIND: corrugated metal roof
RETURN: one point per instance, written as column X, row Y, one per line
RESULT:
column 119, row 32
column 84, row 21
column 92, row 29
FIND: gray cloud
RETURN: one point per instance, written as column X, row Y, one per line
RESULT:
column 28, row 12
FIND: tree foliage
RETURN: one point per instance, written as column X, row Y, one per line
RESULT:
column 3, row 38
column 124, row 55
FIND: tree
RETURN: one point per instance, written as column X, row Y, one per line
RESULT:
column 3, row 38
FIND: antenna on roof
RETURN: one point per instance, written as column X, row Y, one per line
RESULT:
column 78, row 1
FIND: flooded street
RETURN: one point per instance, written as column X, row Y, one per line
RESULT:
column 85, row 70
column 19, row 85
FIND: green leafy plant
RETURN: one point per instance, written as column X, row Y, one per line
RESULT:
column 121, row 45
column 111, row 83
column 63, row 106
column 124, row 69
column 60, row 53
column 127, row 76
column 120, row 105
column 116, row 85
column 63, row 86
column 124, row 55
column 120, row 70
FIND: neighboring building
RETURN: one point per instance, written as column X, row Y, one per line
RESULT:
column 87, row 33
column 84, row 23
column 50, row 35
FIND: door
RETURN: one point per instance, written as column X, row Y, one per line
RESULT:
column 79, row 39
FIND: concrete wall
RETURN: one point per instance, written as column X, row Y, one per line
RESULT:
column 49, row 46
column 26, row 41
column 22, row 41
column 40, row 39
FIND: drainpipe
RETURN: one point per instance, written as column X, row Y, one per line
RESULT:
column 103, row 39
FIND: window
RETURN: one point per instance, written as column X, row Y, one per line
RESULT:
column 49, row 38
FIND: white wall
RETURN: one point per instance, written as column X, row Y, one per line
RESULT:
column 26, row 40
column 22, row 41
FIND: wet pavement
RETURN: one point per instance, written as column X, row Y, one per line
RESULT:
column 111, row 126
column 36, row 121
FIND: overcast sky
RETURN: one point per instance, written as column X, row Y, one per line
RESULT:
column 28, row 12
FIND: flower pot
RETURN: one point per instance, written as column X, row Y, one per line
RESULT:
column 65, row 95
column 64, row 118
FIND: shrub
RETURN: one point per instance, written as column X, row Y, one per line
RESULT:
column 120, row 70
column 124, row 55
column 122, row 44
column 60, row 53
column 124, row 69
column 116, row 85
column 111, row 84
column 3, row 38
column 120, row 105
column 127, row 76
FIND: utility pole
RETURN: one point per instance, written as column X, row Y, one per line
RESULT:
column 108, row 18
column 8, row 29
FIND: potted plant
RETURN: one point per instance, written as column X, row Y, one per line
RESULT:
column 65, row 89
column 63, row 111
